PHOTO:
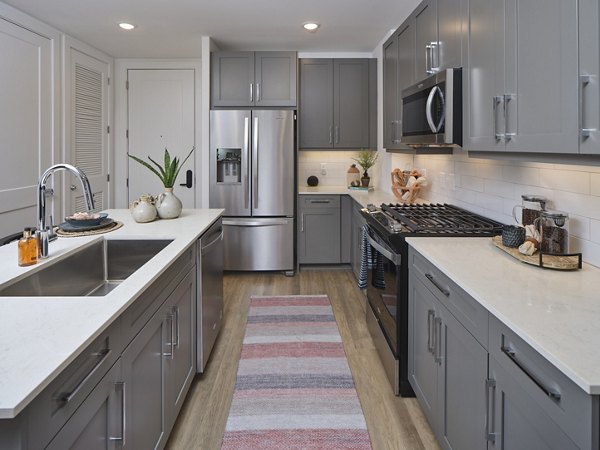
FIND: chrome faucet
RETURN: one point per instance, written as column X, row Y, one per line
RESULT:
column 44, row 232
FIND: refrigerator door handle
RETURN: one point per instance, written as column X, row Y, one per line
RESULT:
column 255, row 154
column 246, row 142
column 256, row 223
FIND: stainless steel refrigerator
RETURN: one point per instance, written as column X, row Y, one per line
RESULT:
column 252, row 156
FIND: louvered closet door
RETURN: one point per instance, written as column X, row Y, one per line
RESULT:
column 88, row 129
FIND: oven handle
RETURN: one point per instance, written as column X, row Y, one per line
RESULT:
column 396, row 259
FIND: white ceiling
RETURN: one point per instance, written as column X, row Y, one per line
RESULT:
column 173, row 28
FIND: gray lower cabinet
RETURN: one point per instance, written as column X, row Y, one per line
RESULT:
column 260, row 79
column 319, row 229
column 335, row 110
column 99, row 421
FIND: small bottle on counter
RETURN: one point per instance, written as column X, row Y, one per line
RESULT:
column 28, row 249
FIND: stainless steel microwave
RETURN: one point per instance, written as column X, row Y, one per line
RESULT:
column 432, row 111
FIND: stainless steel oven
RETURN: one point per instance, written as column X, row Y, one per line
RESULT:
column 432, row 111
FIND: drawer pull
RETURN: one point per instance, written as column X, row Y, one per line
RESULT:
column 552, row 393
column 320, row 201
column 443, row 290
column 65, row 397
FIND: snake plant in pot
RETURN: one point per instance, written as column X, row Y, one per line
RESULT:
column 167, row 204
column 366, row 159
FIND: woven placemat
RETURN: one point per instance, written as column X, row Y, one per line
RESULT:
column 113, row 226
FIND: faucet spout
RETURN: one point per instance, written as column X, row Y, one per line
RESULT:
column 41, row 204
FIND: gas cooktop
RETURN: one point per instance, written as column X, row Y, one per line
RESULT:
column 433, row 219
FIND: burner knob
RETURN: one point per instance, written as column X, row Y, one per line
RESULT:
column 371, row 207
column 396, row 227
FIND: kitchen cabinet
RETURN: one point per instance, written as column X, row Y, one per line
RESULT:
column 522, row 76
column 259, row 79
column 589, row 72
column 334, row 109
column 426, row 39
column 319, row 229
column 99, row 421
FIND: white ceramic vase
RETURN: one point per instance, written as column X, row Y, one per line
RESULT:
column 143, row 209
column 168, row 205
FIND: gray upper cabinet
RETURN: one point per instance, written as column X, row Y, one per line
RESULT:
column 589, row 71
column 253, row 79
column 335, row 109
column 452, row 16
column 522, row 76
column 426, row 39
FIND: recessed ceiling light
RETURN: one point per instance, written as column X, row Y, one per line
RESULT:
column 126, row 26
column 311, row 26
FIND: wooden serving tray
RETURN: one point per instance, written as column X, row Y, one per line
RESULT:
column 544, row 260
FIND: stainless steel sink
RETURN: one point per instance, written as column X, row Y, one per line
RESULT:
column 92, row 271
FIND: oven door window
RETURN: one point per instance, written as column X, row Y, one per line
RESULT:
column 382, row 292
column 415, row 111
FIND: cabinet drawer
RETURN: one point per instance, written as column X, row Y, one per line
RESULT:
column 319, row 201
column 138, row 314
column 55, row 405
column 467, row 310
column 567, row 404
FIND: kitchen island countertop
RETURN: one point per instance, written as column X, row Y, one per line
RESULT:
column 40, row 336
column 556, row 312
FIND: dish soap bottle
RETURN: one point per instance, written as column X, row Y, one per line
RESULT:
column 28, row 252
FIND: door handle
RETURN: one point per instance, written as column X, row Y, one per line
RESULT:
column 430, row 315
column 507, row 98
column 258, row 92
column 331, row 135
column 337, row 134
column 490, row 406
column 121, row 384
column 585, row 80
column 251, row 92
column 188, row 179
column 442, row 289
column 427, row 58
column 246, row 144
column 255, row 151
column 437, row 324
column 497, row 100
column 169, row 341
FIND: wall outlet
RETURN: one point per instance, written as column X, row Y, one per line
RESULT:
column 323, row 169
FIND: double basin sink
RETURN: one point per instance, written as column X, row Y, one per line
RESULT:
column 94, row 270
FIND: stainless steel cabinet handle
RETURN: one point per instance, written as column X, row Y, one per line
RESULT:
column 584, row 83
column 498, row 99
column 331, row 135
column 393, row 131
column 65, row 397
column 337, row 134
column 169, row 341
column 430, row 316
column 320, row 201
column 490, row 406
column 258, row 92
column 438, row 339
column 175, row 322
column 443, row 290
column 427, row 58
column 551, row 392
column 246, row 144
column 121, row 384
column 507, row 98
column 251, row 92
column 434, row 60
column 256, row 223
column 256, row 153
column 302, row 223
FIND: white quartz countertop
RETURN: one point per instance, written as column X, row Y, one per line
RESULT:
column 557, row 313
column 375, row 196
column 40, row 336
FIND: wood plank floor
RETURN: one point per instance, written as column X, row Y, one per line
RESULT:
column 393, row 422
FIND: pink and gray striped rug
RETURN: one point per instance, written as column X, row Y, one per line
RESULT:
column 294, row 389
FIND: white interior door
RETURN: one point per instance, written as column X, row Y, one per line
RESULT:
column 88, row 131
column 160, row 114
column 25, row 122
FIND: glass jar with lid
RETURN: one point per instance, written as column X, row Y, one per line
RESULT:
column 553, row 227
column 531, row 206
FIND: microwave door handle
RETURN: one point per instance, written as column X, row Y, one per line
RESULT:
column 428, row 113
column 443, row 105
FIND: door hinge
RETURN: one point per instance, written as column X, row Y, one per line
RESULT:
column 108, row 177
column 108, row 129
column 127, row 134
column 126, row 84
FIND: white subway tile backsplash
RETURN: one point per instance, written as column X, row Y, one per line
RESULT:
column 472, row 183
column 579, row 226
column 589, row 249
column 595, row 230
column 521, row 175
column 499, row 188
column 565, row 180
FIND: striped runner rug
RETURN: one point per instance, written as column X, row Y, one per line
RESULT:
column 294, row 389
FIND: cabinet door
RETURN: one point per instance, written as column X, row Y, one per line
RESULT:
column 589, row 66
column 180, row 364
column 319, row 233
column 98, row 422
column 275, row 76
column 461, row 386
column 143, row 374
column 542, row 76
column 316, row 103
column 515, row 421
column 391, row 93
column 422, row 366
column 426, row 35
column 351, row 103
column 483, row 99
column 451, row 15
column 232, row 79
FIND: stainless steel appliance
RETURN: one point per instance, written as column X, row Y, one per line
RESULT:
column 209, row 309
column 252, row 157
column 387, row 280
column 432, row 111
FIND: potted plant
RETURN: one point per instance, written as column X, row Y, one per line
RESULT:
column 366, row 159
column 167, row 204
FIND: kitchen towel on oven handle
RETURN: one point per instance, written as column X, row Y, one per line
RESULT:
column 370, row 260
